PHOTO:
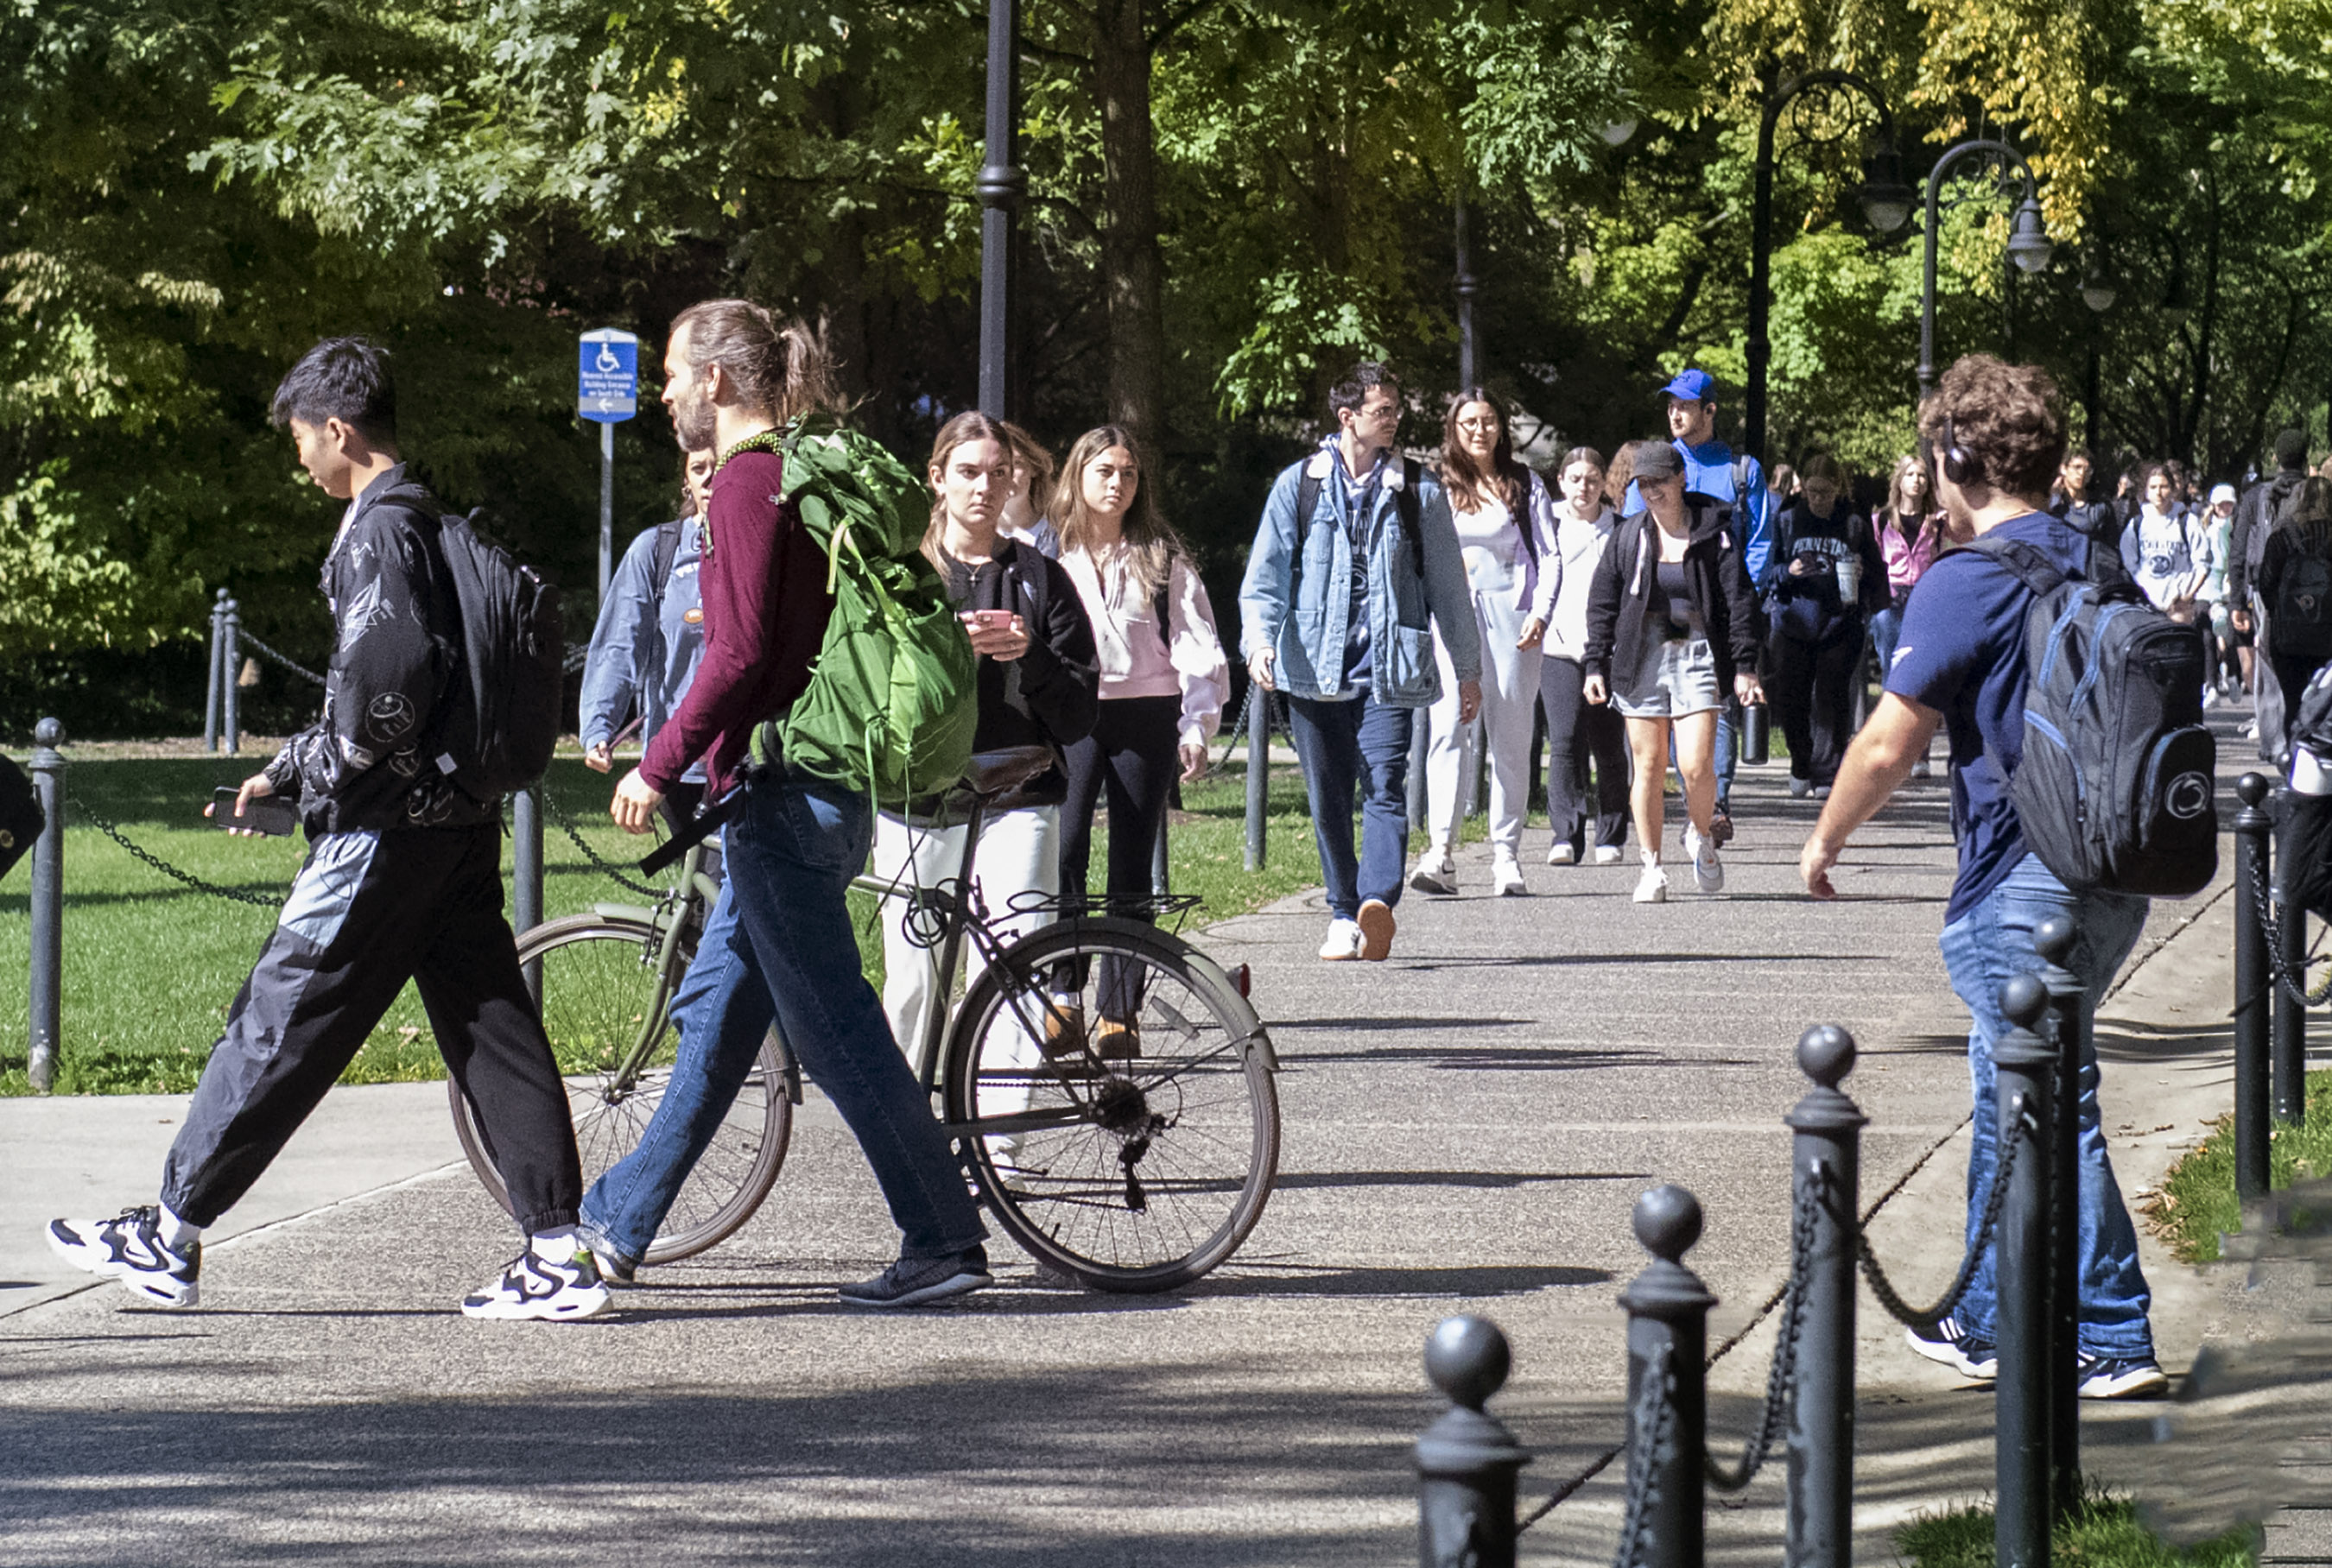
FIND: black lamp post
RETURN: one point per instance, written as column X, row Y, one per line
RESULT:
column 1002, row 186
column 2027, row 236
column 1468, row 362
column 1886, row 201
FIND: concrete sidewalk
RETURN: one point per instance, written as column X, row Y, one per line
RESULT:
column 1466, row 1126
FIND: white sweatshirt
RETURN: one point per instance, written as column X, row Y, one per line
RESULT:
column 1569, row 551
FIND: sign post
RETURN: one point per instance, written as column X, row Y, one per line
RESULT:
column 607, row 392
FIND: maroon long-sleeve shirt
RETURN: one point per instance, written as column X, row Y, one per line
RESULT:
column 763, row 584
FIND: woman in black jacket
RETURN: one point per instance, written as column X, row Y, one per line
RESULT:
column 1830, row 578
column 1671, row 627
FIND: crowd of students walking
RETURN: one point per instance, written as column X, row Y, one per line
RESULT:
column 1636, row 607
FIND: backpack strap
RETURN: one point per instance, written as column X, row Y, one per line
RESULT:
column 667, row 551
column 1409, row 507
column 2022, row 561
column 1307, row 498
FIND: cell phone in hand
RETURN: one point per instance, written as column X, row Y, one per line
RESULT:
column 273, row 815
column 990, row 620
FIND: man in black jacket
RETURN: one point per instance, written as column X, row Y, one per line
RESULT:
column 2256, row 516
column 403, row 881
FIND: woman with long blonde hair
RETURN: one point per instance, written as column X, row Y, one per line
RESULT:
column 1163, row 680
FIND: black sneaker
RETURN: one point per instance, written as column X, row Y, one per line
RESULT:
column 1969, row 1355
column 2121, row 1377
column 129, row 1248
column 1720, row 824
column 533, row 1287
column 923, row 1281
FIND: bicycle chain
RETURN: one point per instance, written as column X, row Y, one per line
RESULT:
column 1902, row 1311
column 256, row 900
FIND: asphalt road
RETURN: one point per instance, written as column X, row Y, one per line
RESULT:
column 1467, row 1125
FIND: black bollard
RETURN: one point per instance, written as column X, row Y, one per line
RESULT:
column 1668, row 1335
column 2288, row 1043
column 2026, row 1073
column 47, row 987
column 230, row 667
column 1258, row 773
column 1468, row 1460
column 526, row 873
column 1756, row 734
column 212, row 695
column 2253, row 979
column 1826, row 1166
column 2068, row 1009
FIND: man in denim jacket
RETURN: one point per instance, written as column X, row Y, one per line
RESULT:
column 1338, row 611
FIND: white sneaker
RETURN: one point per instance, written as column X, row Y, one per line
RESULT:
column 1436, row 873
column 129, row 1248
column 1562, row 854
column 534, row 1287
column 1707, row 871
column 1506, row 876
column 1921, row 769
column 2209, row 700
column 1652, row 886
column 1800, row 788
column 1343, row 941
column 1607, row 854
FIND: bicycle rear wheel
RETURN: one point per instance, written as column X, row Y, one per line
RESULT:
column 598, row 981
column 1134, row 1173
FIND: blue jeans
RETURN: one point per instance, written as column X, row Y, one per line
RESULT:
column 1343, row 746
column 779, row 946
column 1728, row 746
column 1886, row 632
column 1983, row 948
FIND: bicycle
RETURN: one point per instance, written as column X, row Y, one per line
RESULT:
column 1132, row 1157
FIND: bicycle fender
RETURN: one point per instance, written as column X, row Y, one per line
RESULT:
column 1259, row 1039
column 634, row 912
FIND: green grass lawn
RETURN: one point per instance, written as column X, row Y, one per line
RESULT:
column 2105, row 1534
column 151, row 966
column 2197, row 1201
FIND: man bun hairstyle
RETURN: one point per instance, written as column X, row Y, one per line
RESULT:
column 342, row 378
column 781, row 369
column 1353, row 390
column 2007, row 421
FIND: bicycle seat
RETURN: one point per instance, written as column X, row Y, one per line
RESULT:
column 994, row 774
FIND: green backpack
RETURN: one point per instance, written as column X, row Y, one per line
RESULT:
column 893, row 695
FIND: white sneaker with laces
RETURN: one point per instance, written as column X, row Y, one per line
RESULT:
column 1343, row 941
column 1607, row 854
column 129, row 1248
column 1652, row 886
column 1562, row 854
column 533, row 1287
column 1436, row 872
column 1707, row 871
column 1506, row 876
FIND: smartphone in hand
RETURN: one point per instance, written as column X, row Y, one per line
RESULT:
column 988, row 619
column 273, row 815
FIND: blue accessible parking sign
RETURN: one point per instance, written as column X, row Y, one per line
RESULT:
column 607, row 377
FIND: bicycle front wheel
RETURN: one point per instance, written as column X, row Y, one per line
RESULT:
column 599, row 982
column 1128, row 1136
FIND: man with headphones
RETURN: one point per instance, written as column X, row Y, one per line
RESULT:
column 1996, row 435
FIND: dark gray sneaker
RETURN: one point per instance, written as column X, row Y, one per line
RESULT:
column 923, row 1281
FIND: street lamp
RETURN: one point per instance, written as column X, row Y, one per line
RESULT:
column 2098, row 293
column 1886, row 201
column 2028, row 239
column 1467, row 287
column 1001, row 186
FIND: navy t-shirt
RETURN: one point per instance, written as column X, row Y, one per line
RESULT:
column 1962, row 652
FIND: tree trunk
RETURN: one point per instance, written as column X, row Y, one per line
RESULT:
column 1132, row 268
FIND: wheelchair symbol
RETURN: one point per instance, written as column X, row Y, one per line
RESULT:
column 608, row 363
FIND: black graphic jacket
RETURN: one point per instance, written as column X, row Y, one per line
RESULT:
column 368, row 762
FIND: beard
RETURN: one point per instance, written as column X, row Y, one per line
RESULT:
column 692, row 421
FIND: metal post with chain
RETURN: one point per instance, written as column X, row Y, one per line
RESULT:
column 2055, row 939
column 47, row 977
column 2254, row 962
column 1468, row 1461
column 1826, row 1164
column 1667, row 1343
column 2025, row 1069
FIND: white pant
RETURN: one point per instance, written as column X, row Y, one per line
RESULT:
column 1020, row 852
column 1509, row 715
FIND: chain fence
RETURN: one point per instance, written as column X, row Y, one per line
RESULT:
column 235, row 895
column 245, row 639
column 1924, row 1320
column 1655, row 1428
column 1781, row 1382
column 605, row 868
column 2294, row 985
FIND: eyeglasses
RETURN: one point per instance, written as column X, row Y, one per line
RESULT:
column 1380, row 411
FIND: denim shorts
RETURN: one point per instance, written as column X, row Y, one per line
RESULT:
column 1676, row 677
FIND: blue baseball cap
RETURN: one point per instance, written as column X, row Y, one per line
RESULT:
column 1692, row 385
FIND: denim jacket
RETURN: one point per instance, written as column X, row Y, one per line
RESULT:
column 1307, row 636
column 646, row 643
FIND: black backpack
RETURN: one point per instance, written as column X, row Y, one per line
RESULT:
column 21, row 817
column 499, row 719
column 2117, row 789
column 2299, row 622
